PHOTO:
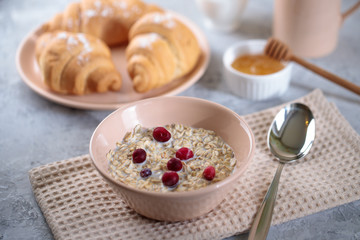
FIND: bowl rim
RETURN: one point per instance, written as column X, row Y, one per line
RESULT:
column 264, row 77
column 184, row 194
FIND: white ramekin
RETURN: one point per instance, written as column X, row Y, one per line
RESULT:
column 254, row 87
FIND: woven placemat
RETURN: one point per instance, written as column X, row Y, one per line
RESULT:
column 78, row 204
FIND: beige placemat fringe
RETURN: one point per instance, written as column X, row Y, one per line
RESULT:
column 78, row 204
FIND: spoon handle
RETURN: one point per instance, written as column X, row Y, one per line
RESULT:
column 262, row 222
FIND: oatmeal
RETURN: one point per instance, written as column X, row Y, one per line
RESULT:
column 171, row 158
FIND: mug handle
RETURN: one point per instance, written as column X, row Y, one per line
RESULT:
column 350, row 11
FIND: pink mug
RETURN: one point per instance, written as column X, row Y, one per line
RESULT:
column 309, row 27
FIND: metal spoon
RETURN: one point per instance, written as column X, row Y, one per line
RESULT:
column 290, row 137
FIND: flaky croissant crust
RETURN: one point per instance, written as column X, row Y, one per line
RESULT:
column 161, row 49
column 109, row 20
column 76, row 63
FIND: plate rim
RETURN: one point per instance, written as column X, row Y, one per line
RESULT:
column 62, row 100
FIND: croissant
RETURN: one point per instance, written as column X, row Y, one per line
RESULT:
column 109, row 20
column 161, row 49
column 76, row 63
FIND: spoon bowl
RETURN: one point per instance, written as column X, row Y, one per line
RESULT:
column 292, row 133
column 290, row 137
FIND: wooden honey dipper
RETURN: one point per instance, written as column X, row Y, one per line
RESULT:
column 280, row 51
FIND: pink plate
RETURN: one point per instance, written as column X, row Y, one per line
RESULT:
column 30, row 73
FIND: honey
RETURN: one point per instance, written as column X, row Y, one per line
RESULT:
column 257, row 64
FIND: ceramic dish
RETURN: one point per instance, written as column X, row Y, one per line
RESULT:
column 193, row 112
column 254, row 87
column 30, row 73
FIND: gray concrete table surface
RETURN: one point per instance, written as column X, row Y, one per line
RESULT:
column 35, row 131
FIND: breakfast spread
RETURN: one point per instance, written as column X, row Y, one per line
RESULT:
column 160, row 47
column 171, row 158
column 258, row 64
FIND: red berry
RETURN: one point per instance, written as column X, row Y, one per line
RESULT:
column 170, row 179
column 184, row 153
column 139, row 155
column 209, row 173
column 174, row 164
column 161, row 134
column 146, row 172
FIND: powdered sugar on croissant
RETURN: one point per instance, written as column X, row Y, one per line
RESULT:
column 161, row 49
column 76, row 63
column 109, row 20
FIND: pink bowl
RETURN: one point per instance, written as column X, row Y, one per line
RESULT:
column 194, row 112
